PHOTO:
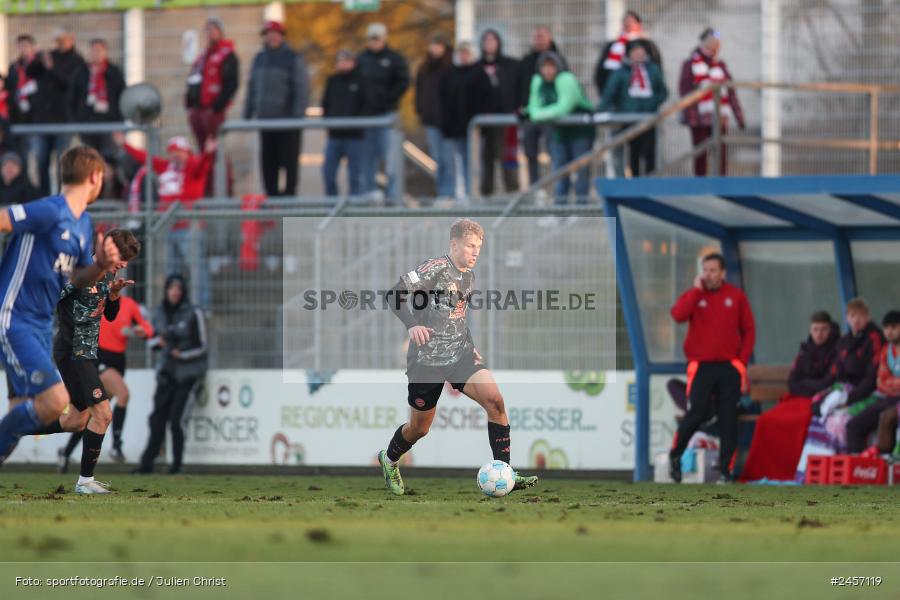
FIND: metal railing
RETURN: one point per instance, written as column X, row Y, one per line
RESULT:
column 394, row 164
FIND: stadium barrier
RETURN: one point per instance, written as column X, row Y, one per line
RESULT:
column 250, row 417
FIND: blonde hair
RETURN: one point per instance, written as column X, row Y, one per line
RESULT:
column 857, row 305
column 463, row 227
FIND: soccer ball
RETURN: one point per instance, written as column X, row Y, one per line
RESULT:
column 496, row 479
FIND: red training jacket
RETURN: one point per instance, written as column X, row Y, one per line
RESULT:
column 111, row 337
column 720, row 324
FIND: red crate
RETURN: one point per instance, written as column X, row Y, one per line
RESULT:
column 818, row 470
column 849, row 469
column 894, row 473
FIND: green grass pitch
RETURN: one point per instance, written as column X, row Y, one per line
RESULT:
column 333, row 533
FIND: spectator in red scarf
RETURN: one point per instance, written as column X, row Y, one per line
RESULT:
column 637, row 87
column 181, row 176
column 212, row 84
column 703, row 69
column 22, row 96
column 613, row 53
column 96, row 93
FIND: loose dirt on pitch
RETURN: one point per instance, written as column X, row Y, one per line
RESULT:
column 240, row 518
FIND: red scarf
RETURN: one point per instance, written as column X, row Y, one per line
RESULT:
column 613, row 59
column 97, row 96
column 707, row 70
column 639, row 85
column 25, row 87
column 4, row 109
column 208, row 66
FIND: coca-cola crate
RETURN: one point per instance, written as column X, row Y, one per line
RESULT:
column 894, row 473
column 818, row 470
column 849, row 469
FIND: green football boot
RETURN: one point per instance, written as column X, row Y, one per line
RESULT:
column 523, row 481
column 391, row 474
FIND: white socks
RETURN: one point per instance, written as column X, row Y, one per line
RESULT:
column 84, row 480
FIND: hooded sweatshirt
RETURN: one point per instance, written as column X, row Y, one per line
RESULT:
column 182, row 327
column 503, row 74
column 811, row 371
column 558, row 98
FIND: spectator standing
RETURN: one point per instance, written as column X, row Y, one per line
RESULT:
column 55, row 72
column 855, row 370
column 212, row 83
column 182, row 339
column 637, row 86
column 718, row 346
column 344, row 98
column 438, row 61
column 15, row 188
column 811, row 371
column 882, row 414
column 702, row 69
column 532, row 132
column 464, row 91
column 21, row 90
column 499, row 144
column 278, row 89
column 181, row 177
column 556, row 93
column 386, row 76
column 96, row 91
column 614, row 52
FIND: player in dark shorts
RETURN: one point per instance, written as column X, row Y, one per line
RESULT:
column 431, row 301
column 114, row 336
column 75, row 353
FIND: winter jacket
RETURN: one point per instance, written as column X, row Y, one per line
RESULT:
column 386, row 74
column 19, row 191
column 857, row 361
column 552, row 100
column 29, row 92
column 811, row 371
column 56, row 102
column 213, row 86
column 464, row 92
column 621, row 96
column 529, row 67
column 115, row 85
column 701, row 114
column 720, row 324
column 344, row 97
column 602, row 72
column 183, row 328
column 888, row 380
column 279, row 85
column 428, row 94
column 503, row 73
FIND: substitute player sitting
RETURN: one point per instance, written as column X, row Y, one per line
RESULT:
column 431, row 301
column 75, row 353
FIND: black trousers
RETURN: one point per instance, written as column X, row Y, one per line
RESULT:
column 719, row 384
column 493, row 144
column 643, row 147
column 280, row 150
column 169, row 402
column 860, row 426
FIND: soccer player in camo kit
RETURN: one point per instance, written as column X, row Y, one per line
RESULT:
column 75, row 354
column 441, row 349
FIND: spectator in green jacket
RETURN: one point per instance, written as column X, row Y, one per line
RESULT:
column 556, row 93
column 637, row 87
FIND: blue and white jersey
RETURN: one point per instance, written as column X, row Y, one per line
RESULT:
column 47, row 244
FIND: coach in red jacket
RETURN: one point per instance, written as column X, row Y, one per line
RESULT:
column 718, row 347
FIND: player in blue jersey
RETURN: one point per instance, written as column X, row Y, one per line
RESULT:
column 50, row 246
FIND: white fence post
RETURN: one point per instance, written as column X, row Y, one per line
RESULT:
column 770, row 163
column 134, row 63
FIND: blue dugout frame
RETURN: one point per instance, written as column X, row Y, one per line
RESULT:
column 878, row 197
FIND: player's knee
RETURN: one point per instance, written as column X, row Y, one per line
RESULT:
column 102, row 415
column 122, row 399
column 57, row 403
